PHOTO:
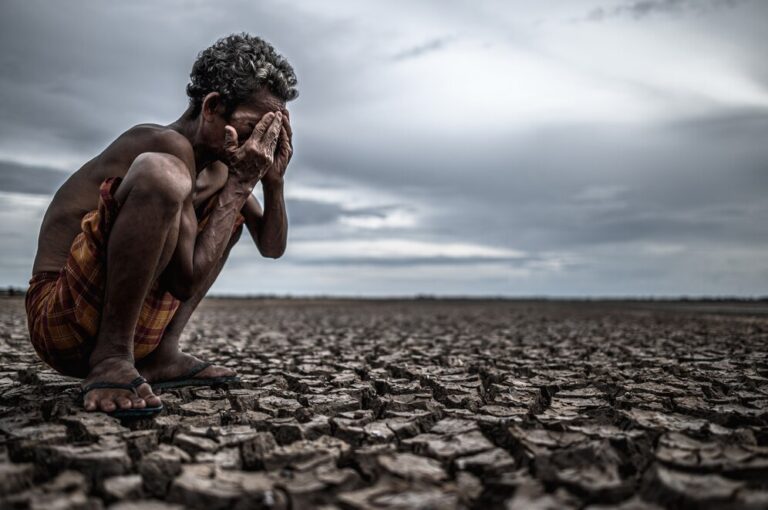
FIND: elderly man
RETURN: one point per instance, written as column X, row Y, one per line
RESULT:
column 133, row 240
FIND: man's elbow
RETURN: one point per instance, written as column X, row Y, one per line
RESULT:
column 271, row 253
column 182, row 292
column 180, row 288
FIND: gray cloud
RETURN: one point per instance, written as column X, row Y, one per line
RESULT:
column 670, row 172
column 303, row 212
column 37, row 180
column 672, row 205
column 638, row 9
column 309, row 212
column 407, row 262
column 422, row 49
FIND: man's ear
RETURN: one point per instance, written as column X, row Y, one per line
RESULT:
column 212, row 106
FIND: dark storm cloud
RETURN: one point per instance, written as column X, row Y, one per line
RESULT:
column 513, row 262
column 36, row 180
column 422, row 49
column 76, row 78
column 638, row 9
column 414, row 262
column 309, row 212
column 696, row 179
column 303, row 212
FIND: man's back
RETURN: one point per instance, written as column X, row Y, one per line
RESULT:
column 80, row 193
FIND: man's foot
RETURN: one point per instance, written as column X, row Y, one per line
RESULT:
column 167, row 367
column 117, row 370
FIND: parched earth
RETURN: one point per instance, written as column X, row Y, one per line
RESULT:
column 414, row 405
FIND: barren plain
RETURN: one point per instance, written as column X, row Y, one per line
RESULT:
column 423, row 404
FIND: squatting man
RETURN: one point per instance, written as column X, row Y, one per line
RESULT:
column 133, row 240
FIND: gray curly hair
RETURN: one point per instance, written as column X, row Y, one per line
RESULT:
column 237, row 65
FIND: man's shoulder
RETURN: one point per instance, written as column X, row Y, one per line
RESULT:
column 154, row 138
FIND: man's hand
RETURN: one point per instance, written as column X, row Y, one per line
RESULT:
column 255, row 157
column 284, row 150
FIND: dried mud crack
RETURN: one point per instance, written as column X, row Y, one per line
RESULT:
column 413, row 404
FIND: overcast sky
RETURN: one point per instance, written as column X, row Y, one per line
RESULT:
column 563, row 148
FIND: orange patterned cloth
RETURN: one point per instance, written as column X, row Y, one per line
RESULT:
column 64, row 308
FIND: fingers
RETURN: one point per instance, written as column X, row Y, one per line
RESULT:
column 254, row 157
column 285, row 140
column 270, row 136
column 230, row 139
column 287, row 125
column 262, row 126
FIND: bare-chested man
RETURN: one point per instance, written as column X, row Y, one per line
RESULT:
column 133, row 240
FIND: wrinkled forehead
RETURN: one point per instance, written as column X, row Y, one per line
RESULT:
column 260, row 103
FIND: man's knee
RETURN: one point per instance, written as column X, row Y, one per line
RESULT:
column 161, row 180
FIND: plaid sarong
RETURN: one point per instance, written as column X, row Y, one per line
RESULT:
column 64, row 308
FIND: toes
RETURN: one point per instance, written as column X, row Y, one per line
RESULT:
column 145, row 392
column 124, row 403
column 90, row 405
column 107, row 405
column 138, row 403
column 219, row 371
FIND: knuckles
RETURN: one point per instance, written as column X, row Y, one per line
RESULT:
column 250, row 149
column 257, row 158
column 255, row 155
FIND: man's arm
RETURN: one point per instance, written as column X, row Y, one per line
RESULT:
column 268, row 227
column 196, row 254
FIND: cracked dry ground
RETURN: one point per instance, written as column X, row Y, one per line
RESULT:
column 420, row 404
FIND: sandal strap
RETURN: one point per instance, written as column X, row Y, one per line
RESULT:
column 197, row 369
column 137, row 382
column 105, row 384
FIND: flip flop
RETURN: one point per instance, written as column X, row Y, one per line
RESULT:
column 143, row 412
column 189, row 379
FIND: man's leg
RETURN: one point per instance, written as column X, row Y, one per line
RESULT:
column 140, row 245
column 167, row 360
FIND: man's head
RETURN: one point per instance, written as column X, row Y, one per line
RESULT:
column 235, row 81
column 236, row 66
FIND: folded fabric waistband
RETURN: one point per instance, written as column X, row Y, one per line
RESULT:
column 44, row 275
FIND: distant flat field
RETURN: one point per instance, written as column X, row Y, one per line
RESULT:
column 365, row 404
column 738, row 307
